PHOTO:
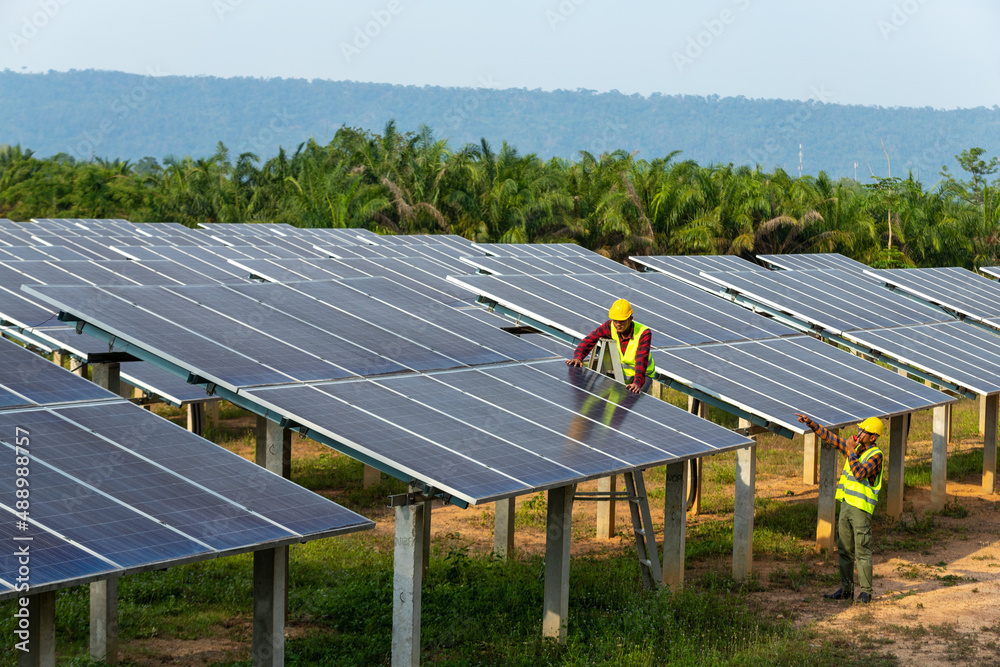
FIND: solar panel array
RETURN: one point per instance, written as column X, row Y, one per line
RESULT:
column 961, row 291
column 544, row 265
column 677, row 313
column 688, row 269
column 115, row 489
column 834, row 300
column 812, row 262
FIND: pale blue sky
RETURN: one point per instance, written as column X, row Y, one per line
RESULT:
column 882, row 52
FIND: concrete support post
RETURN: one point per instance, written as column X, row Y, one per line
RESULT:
column 558, row 533
column 897, row 461
column 425, row 555
column 675, row 524
column 406, row 582
column 104, row 593
column 939, row 456
column 810, row 459
column 107, row 376
column 990, row 443
column 373, row 477
column 41, row 642
column 606, row 508
column 270, row 574
column 125, row 390
column 503, row 527
column 829, row 473
column 211, row 413
column 274, row 447
column 79, row 368
column 982, row 415
column 746, row 480
column 699, row 408
column 195, row 418
column 104, row 620
column 57, row 358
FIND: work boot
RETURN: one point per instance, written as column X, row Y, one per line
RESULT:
column 864, row 598
column 839, row 594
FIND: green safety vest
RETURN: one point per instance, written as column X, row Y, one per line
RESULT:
column 860, row 493
column 628, row 359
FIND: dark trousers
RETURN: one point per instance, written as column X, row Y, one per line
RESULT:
column 854, row 542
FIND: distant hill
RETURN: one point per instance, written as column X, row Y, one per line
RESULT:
column 112, row 114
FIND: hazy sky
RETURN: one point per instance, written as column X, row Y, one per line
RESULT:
column 883, row 52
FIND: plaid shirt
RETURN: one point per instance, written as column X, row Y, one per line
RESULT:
column 604, row 331
column 869, row 470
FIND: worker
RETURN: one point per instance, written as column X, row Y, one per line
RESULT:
column 633, row 343
column 858, row 492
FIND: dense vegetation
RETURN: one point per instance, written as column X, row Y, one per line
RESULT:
column 614, row 203
column 112, row 114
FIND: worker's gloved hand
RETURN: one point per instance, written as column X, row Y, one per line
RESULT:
column 574, row 362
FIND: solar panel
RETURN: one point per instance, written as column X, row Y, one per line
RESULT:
column 506, row 439
column 813, row 262
column 140, row 374
column 991, row 271
column 833, row 300
column 688, row 269
column 531, row 249
column 544, row 265
column 780, row 377
column 550, row 343
column 117, row 489
column 677, row 313
column 960, row 353
column 959, row 290
column 27, row 382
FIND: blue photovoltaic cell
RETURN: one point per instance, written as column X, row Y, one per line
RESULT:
column 474, row 433
column 812, row 262
column 40, row 381
column 959, row 290
column 777, row 378
column 688, row 268
column 677, row 314
column 377, row 340
column 295, row 270
column 271, row 336
column 215, row 468
column 961, row 353
column 410, row 315
column 835, row 300
column 53, row 560
column 131, row 481
column 163, row 337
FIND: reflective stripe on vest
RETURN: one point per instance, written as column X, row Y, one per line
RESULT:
column 628, row 359
column 859, row 493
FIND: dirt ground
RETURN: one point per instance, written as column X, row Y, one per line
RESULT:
column 937, row 606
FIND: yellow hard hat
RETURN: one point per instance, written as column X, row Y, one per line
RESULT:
column 620, row 310
column 872, row 425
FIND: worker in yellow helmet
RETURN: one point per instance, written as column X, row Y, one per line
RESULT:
column 634, row 341
column 858, row 492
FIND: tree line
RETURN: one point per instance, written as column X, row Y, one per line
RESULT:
column 613, row 203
